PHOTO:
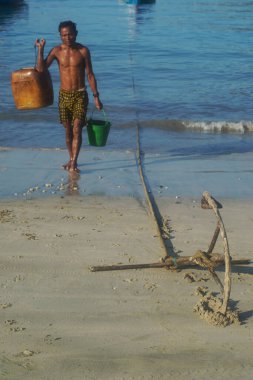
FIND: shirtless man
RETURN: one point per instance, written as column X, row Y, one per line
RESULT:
column 74, row 61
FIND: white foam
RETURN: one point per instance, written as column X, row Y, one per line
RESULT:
column 220, row 126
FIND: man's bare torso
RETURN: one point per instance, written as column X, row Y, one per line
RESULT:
column 72, row 64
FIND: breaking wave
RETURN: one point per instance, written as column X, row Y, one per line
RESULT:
column 221, row 126
column 198, row 126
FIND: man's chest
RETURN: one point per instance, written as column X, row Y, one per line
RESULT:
column 71, row 59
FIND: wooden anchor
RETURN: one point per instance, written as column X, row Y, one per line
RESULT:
column 169, row 263
column 203, row 259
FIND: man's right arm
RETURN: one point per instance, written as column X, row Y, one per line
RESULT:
column 43, row 64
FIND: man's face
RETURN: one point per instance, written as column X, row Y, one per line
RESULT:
column 68, row 36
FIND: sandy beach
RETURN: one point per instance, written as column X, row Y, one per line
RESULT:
column 59, row 320
column 175, row 81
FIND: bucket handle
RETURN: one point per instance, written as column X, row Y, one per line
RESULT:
column 105, row 115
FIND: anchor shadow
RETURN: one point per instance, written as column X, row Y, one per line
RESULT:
column 245, row 316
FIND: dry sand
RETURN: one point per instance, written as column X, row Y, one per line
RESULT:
column 59, row 320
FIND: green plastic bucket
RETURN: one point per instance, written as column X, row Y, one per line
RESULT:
column 98, row 130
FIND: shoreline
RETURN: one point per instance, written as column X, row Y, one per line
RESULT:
column 29, row 173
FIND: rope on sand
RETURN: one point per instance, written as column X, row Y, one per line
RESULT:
column 148, row 194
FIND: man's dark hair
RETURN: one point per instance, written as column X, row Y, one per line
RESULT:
column 67, row 24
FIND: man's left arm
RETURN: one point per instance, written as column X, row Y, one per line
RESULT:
column 92, row 79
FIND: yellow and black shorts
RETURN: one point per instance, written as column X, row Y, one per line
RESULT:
column 73, row 105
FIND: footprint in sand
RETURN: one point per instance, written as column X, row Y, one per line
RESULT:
column 49, row 339
column 31, row 236
column 6, row 216
column 27, row 353
column 18, row 278
column 13, row 328
column 5, row 305
column 151, row 287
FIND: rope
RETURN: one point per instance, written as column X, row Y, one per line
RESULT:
column 35, row 56
column 148, row 194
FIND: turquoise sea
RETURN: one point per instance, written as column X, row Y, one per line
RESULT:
column 181, row 69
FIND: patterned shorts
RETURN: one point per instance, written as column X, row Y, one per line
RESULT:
column 73, row 105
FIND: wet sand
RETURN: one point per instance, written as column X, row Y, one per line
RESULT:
column 29, row 173
column 59, row 320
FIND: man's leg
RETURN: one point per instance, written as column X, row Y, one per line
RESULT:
column 76, row 144
column 69, row 142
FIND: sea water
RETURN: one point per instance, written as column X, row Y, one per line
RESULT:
column 181, row 70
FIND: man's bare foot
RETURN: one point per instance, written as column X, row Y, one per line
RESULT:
column 74, row 170
column 67, row 166
column 73, row 167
